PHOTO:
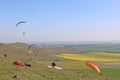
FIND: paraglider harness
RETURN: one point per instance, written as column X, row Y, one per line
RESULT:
column 27, row 64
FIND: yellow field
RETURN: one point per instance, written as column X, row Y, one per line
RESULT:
column 93, row 56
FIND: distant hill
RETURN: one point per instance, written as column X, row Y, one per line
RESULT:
column 64, row 43
column 108, row 47
column 105, row 46
column 20, row 50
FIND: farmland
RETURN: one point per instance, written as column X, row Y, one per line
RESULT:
column 94, row 56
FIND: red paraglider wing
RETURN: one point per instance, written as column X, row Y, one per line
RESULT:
column 19, row 63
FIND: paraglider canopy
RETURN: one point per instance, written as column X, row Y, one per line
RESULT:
column 53, row 65
column 20, row 23
column 29, row 47
column 93, row 66
column 19, row 63
column 30, row 51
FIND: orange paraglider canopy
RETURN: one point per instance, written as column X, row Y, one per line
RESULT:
column 93, row 66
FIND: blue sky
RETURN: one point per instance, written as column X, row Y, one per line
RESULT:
column 59, row 20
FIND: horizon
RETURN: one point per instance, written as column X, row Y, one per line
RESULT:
column 67, row 42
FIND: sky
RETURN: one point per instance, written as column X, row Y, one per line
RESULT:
column 59, row 20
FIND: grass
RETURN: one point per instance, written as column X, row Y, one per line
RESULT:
column 113, row 72
column 108, row 62
column 40, row 71
column 73, row 70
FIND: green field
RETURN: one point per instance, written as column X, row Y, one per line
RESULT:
column 72, row 69
column 106, row 47
column 106, row 72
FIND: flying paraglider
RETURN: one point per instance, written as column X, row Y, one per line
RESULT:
column 93, row 66
column 29, row 47
column 20, row 23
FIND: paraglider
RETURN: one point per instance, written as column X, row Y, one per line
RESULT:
column 29, row 47
column 93, row 66
column 30, row 50
column 20, row 63
column 53, row 65
column 20, row 23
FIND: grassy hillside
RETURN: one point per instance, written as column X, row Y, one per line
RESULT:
column 40, row 71
column 20, row 50
column 72, row 70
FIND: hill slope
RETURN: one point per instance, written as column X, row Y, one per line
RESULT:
column 39, row 70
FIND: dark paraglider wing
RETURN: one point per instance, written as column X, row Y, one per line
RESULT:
column 31, row 46
column 32, row 49
column 20, row 23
